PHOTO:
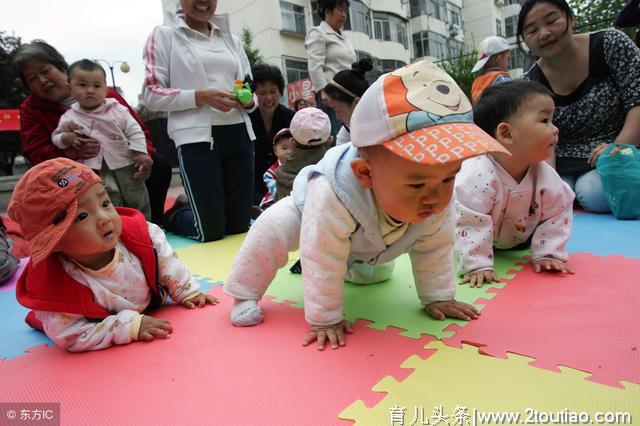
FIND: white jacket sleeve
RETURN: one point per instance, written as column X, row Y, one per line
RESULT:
column 172, row 273
column 432, row 260
column 156, row 90
column 552, row 234
column 474, row 231
column 316, row 46
column 325, row 245
column 134, row 134
column 76, row 333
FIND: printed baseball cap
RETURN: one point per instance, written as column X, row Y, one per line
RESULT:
column 310, row 126
column 45, row 201
column 419, row 113
column 488, row 47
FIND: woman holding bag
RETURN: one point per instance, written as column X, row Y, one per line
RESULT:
column 595, row 81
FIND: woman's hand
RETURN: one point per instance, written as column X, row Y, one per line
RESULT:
column 597, row 152
column 80, row 147
column 143, row 164
column 219, row 99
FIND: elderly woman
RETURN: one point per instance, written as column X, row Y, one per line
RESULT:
column 595, row 80
column 270, row 117
column 329, row 51
column 191, row 66
column 44, row 71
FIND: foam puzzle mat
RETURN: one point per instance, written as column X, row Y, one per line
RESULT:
column 546, row 347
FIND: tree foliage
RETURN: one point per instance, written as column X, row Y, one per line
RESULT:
column 592, row 15
column 459, row 68
column 12, row 92
column 247, row 42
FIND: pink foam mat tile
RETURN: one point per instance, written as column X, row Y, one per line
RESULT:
column 588, row 321
column 210, row 372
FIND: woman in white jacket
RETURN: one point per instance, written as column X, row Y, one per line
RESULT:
column 191, row 64
column 329, row 51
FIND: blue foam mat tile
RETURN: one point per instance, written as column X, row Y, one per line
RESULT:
column 16, row 337
column 178, row 242
column 206, row 283
column 603, row 235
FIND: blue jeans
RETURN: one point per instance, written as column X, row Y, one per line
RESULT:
column 588, row 189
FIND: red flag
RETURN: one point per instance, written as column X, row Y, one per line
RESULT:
column 9, row 119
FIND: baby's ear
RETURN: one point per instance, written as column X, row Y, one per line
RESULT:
column 503, row 134
column 362, row 170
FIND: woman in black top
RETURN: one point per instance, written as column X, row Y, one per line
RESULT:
column 267, row 120
column 595, row 80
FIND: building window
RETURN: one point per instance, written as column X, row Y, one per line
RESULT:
column 498, row 27
column 360, row 19
column 381, row 26
column 296, row 69
column 314, row 13
column 292, row 17
column 455, row 48
column 428, row 43
column 516, row 59
column 510, row 25
column 454, row 15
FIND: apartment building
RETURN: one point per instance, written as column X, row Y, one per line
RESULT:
column 390, row 32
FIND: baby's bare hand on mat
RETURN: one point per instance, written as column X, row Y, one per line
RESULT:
column 334, row 333
column 154, row 328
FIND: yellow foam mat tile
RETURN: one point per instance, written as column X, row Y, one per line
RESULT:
column 212, row 259
column 463, row 387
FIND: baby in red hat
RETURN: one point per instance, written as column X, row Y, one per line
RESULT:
column 94, row 268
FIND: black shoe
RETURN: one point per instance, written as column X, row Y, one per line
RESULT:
column 181, row 202
column 255, row 212
column 296, row 268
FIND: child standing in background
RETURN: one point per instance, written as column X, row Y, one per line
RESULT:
column 503, row 201
column 123, row 145
column 94, row 269
column 494, row 63
column 283, row 146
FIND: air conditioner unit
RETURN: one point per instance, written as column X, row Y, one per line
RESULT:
column 454, row 30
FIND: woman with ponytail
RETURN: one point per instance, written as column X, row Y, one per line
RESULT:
column 344, row 91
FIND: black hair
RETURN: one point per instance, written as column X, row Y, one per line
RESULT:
column 326, row 5
column 86, row 65
column 498, row 103
column 264, row 73
column 526, row 8
column 39, row 50
column 352, row 80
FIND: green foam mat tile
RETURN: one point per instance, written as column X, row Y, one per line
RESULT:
column 395, row 302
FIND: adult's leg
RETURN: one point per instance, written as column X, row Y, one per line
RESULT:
column 237, row 175
column 569, row 180
column 335, row 123
column 158, row 185
column 590, row 194
column 200, row 169
column 134, row 192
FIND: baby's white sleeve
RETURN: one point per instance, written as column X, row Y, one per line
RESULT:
column 76, row 333
column 172, row 273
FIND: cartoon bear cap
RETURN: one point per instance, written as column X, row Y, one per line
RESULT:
column 419, row 113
